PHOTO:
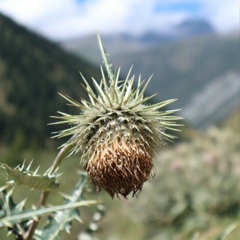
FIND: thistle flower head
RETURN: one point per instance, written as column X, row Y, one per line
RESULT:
column 116, row 132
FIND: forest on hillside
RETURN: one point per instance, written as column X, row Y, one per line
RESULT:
column 33, row 71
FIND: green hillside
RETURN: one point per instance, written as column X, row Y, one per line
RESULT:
column 32, row 71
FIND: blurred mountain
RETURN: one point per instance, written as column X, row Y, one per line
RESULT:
column 86, row 46
column 202, row 72
column 186, row 29
column 197, row 66
column 32, row 72
column 194, row 27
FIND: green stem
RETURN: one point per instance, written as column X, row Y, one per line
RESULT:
column 44, row 195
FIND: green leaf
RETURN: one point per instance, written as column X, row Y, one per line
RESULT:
column 106, row 60
column 43, row 211
column 62, row 221
column 22, row 175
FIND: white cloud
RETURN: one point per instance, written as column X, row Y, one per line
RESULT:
column 59, row 19
column 225, row 14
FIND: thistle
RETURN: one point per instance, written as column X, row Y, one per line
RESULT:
column 116, row 132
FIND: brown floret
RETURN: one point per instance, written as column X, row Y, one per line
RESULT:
column 120, row 167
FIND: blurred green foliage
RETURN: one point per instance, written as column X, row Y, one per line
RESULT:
column 197, row 186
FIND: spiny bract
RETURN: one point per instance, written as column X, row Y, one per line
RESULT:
column 116, row 132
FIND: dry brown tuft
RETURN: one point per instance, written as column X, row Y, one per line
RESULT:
column 120, row 167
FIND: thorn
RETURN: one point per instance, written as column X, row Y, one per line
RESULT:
column 35, row 173
column 29, row 166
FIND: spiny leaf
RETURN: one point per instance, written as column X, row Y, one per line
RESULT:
column 19, row 175
column 106, row 61
column 62, row 221
column 8, row 206
column 44, row 211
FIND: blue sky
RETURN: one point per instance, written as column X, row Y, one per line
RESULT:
column 65, row 19
column 192, row 7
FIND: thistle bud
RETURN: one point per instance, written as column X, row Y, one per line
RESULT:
column 117, row 134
